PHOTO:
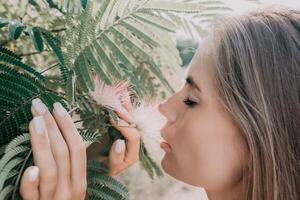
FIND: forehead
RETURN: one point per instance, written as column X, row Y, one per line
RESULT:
column 197, row 66
column 201, row 67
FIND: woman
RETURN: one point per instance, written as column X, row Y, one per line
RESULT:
column 233, row 128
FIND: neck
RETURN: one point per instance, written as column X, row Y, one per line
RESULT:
column 232, row 193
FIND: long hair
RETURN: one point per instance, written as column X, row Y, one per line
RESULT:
column 256, row 62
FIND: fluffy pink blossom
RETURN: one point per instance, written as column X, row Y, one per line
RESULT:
column 149, row 121
column 111, row 96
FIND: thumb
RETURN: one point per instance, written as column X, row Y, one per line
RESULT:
column 116, row 155
column 29, row 184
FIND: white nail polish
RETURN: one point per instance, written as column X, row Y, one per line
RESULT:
column 61, row 111
column 120, row 146
column 39, row 106
column 39, row 125
column 33, row 173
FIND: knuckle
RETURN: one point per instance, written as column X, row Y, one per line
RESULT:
column 80, row 189
column 65, row 194
column 50, row 176
column 80, row 148
column 68, row 195
column 50, row 124
column 30, row 124
column 62, row 152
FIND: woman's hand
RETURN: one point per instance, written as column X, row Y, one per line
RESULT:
column 59, row 155
column 124, row 153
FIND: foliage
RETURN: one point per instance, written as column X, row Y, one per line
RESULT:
column 117, row 40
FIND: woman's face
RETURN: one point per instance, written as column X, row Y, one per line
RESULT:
column 206, row 147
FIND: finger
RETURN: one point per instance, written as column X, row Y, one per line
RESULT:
column 58, row 145
column 76, row 147
column 125, row 115
column 29, row 184
column 132, row 137
column 43, row 157
column 116, row 155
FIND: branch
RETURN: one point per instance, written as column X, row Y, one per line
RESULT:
column 5, row 42
column 31, row 53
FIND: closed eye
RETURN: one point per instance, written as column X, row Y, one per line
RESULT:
column 189, row 102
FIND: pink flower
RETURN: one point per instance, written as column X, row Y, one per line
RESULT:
column 111, row 96
column 144, row 116
column 149, row 121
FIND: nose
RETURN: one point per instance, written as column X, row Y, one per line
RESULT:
column 166, row 110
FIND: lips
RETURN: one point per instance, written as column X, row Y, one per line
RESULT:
column 164, row 144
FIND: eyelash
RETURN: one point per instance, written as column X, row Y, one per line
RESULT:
column 189, row 102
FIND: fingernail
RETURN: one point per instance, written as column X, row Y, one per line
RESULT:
column 61, row 111
column 39, row 106
column 33, row 173
column 39, row 125
column 120, row 146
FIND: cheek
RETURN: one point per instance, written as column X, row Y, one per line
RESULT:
column 207, row 153
column 224, row 153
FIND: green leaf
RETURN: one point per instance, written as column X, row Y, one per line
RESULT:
column 140, row 30
column 181, row 7
column 84, row 71
column 107, row 40
column 21, row 139
column 14, row 62
column 110, row 188
column 90, row 136
column 103, row 6
column 148, row 164
column 97, row 167
column 105, row 16
column 9, row 53
column 3, row 22
column 55, row 45
column 160, row 22
column 17, row 89
column 8, row 167
column 83, row 3
column 36, row 37
column 4, row 194
column 94, row 60
column 70, row 87
column 111, row 66
column 15, row 29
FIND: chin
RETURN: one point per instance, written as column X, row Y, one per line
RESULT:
column 165, row 164
column 170, row 168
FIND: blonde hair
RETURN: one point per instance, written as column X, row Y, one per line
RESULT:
column 256, row 62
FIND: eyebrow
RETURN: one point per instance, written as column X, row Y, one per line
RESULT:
column 190, row 81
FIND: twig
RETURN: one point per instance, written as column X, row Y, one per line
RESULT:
column 32, row 53
column 5, row 42
column 57, row 30
column 20, row 174
column 51, row 67
column 72, row 110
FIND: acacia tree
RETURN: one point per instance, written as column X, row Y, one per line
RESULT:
column 86, row 49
